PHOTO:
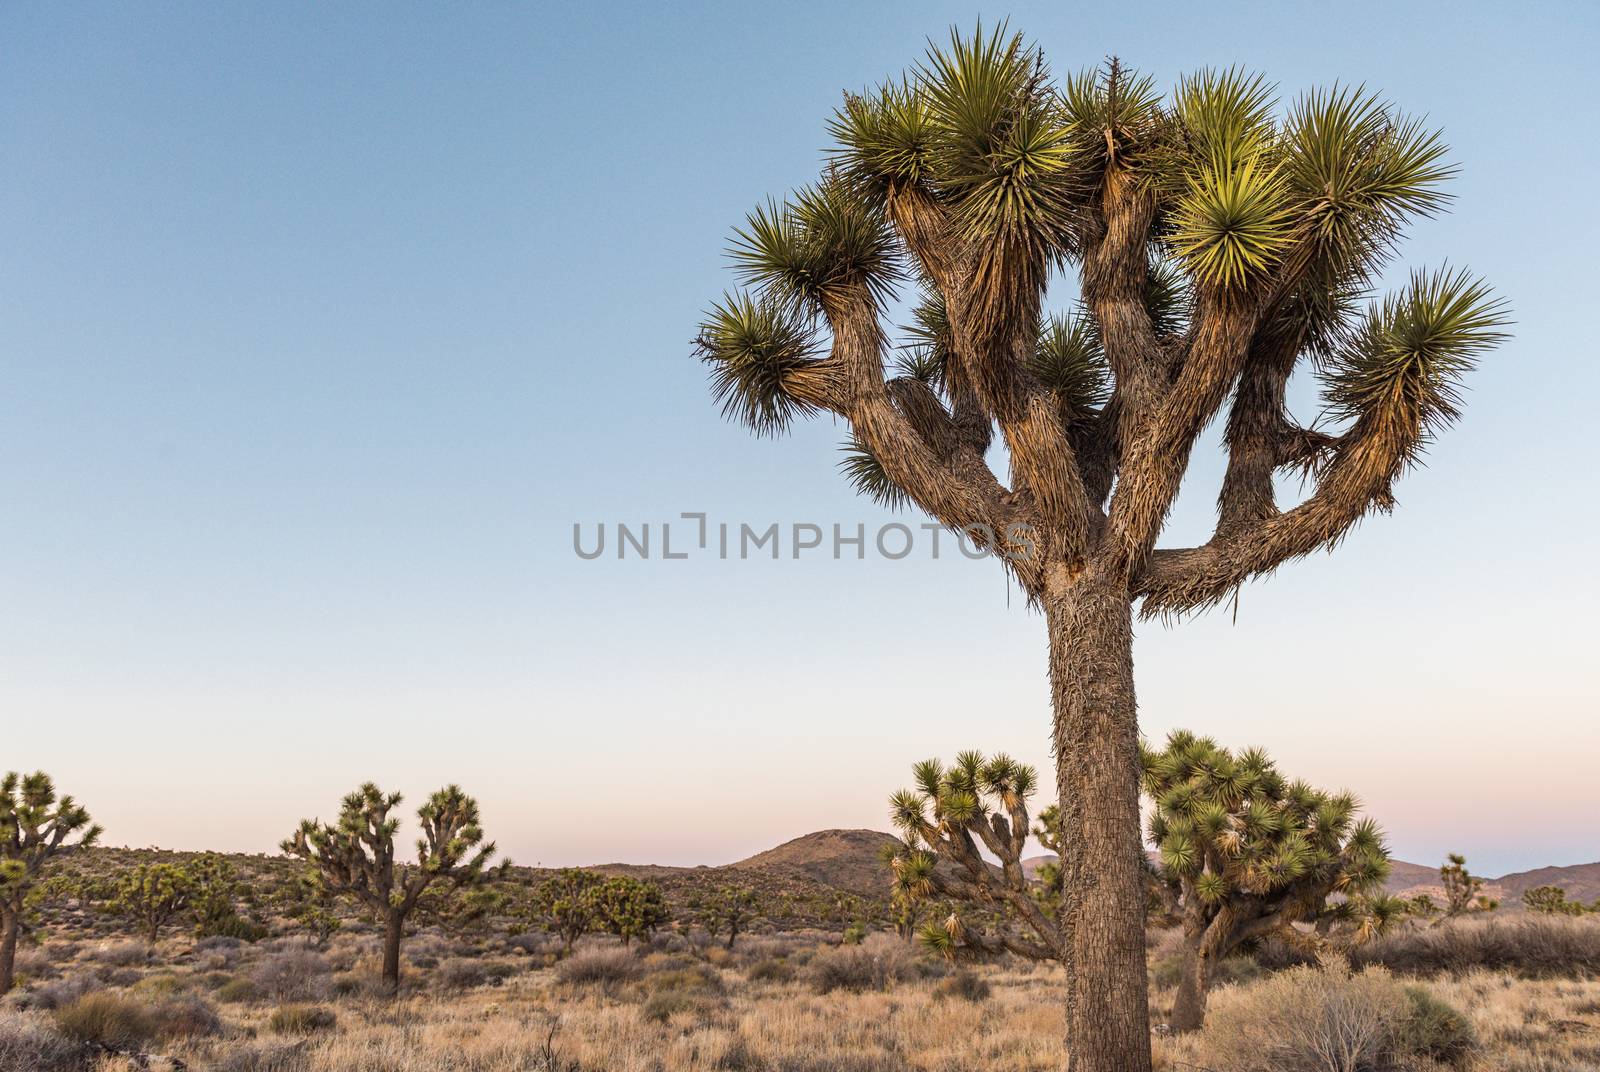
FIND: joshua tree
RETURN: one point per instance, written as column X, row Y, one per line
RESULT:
column 727, row 911
column 218, row 894
column 307, row 901
column 355, row 858
column 1220, row 245
column 566, row 905
column 1251, row 854
column 1552, row 901
column 151, row 895
column 628, row 908
column 951, row 818
column 1462, row 890
column 35, row 827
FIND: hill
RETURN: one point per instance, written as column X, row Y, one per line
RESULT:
column 849, row 860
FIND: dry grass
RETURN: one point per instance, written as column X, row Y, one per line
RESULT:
column 676, row 1007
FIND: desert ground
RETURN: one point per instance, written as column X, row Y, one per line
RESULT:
column 1505, row 990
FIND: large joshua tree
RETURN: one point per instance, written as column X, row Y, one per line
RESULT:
column 355, row 857
column 1219, row 244
column 36, row 826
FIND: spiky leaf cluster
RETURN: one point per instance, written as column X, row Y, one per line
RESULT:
column 1231, row 826
column 1404, row 365
column 811, row 251
column 755, row 349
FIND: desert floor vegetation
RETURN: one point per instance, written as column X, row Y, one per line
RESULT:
column 802, row 1001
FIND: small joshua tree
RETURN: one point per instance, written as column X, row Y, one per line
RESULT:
column 151, row 895
column 218, row 893
column 1552, row 901
column 1463, row 891
column 628, row 908
column 307, row 901
column 35, row 827
column 1251, row 854
column 951, row 817
column 356, row 858
column 564, row 905
column 726, row 911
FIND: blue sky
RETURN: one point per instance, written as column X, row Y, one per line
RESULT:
column 321, row 325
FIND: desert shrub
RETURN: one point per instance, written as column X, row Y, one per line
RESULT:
column 270, row 1056
column 962, row 985
column 105, row 1019
column 301, row 1019
column 1434, row 1029
column 219, row 943
column 58, row 992
column 1537, row 946
column 119, row 976
column 771, row 970
column 292, row 975
column 124, row 954
column 462, row 973
column 35, row 964
column 854, row 934
column 700, row 978
column 1322, row 1019
column 839, row 1062
column 663, row 1005
column 184, row 1017
column 874, row 964
column 239, row 989
column 162, row 984
column 29, row 1041
column 599, row 967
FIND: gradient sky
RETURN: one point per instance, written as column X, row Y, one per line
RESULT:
column 321, row 325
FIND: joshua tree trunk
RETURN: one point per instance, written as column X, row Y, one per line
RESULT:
column 391, row 949
column 9, row 925
column 1091, row 676
column 1189, row 1010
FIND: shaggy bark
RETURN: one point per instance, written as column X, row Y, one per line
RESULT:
column 10, row 924
column 1102, row 916
column 393, row 929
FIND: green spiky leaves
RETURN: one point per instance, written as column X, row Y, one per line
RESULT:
column 885, row 139
column 1070, row 361
column 867, row 476
column 1231, row 220
column 1357, row 170
column 1229, row 824
column 757, row 349
column 1000, row 146
column 1110, row 115
column 1404, row 367
column 828, row 242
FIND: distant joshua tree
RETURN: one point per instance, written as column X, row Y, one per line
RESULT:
column 953, row 816
column 1250, row 854
column 628, row 908
column 35, row 827
column 151, row 895
column 1552, row 901
column 1220, row 244
column 1462, row 890
column 355, row 857
column 727, row 911
column 564, row 903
